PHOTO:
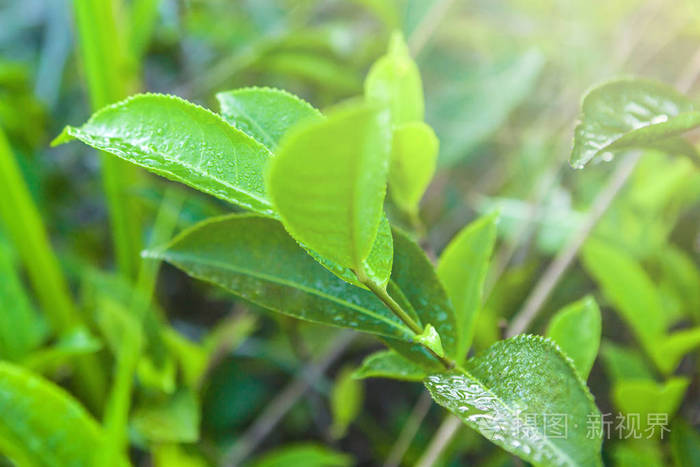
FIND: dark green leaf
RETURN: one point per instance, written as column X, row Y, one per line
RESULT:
column 576, row 329
column 685, row 443
column 631, row 113
column 265, row 114
column 256, row 259
column 462, row 269
column 183, row 142
column 510, row 392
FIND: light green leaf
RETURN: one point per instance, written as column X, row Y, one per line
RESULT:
column 576, row 329
column 681, row 275
column 174, row 420
column 622, row 363
column 394, row 81
column 266, row 114
column 183, row 142
column 630, row 291
column 430, row 339
column 675, row 346
column 646, row 397
column 414, row 153
column 306, row 454
column 328, row 183
column 462, row 269
column 632, row 113
column 346, row 402
column 42, row 424
column 389, row 364
column 509, row 394
column 256, row 259
column 637, row 452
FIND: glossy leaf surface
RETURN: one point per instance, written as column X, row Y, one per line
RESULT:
column 462, row 269
column 328, row 182
column 41, row 424
column 414, row 153
column 394, row 81
column 629, row 114
column 576, row 329
column 266, row 114
column 256, row 259
column 507, row 392
column 183, row 142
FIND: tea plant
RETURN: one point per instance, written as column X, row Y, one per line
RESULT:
column 327, row 229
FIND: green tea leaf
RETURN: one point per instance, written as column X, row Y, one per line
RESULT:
column 256, row 259
column 328, row 183
column 674, row 347
column 462, row 269
column 42, row 424
column 622, row 363
column 394, row 81
column 576, row 329
column 509, row 394
column 418, row 284
column 646, row 397
column 174, row 420
column 346, row 402
column 265, row 114
column 637, row 452
column 389, row 364
column 183, row 142
column 414, row 153
column 630, row 291
column 306, row 454
column 631, row 114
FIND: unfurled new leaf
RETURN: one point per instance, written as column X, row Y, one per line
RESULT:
column 414, row 153
column 183, row 142
column 462, row 269
column 256, row 259
column 265, row 114
column 394, row 81
column 389, row 364
column 576, row 329
column 328, row 182
column 507, row 394
column 41, row 424
column 632, row 114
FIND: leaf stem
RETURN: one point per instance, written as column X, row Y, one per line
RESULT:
column 395, row 308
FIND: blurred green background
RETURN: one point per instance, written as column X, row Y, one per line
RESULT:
column 503, row 81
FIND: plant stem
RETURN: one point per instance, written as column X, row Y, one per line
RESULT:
column 26, row 229
column 102, row 51
column 399, row 312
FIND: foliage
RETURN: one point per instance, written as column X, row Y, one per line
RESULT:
column 352, row 236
